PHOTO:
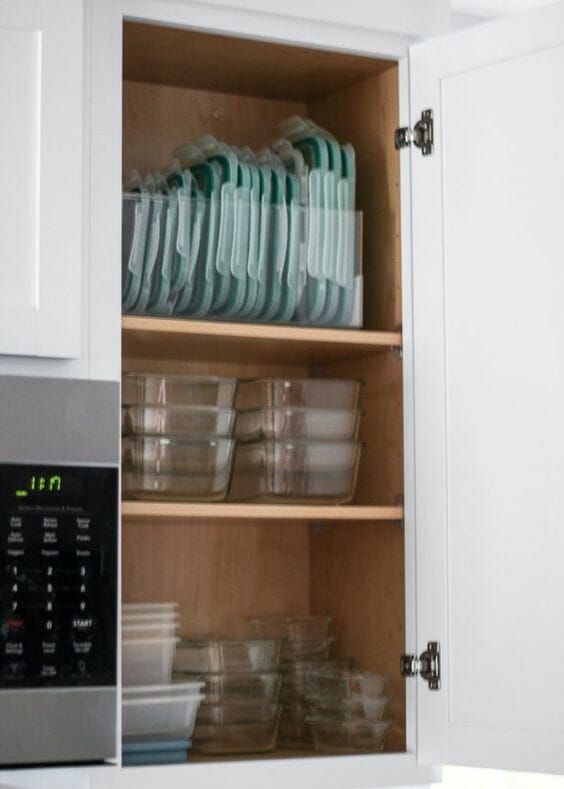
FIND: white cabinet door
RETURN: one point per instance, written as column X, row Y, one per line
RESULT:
column 488, row 297
column 41, row 92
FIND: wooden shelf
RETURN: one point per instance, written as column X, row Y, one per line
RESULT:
column 156, row 510
column 174, row 338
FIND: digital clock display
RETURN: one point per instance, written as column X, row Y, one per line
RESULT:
column 52, row 483
column 38, row 484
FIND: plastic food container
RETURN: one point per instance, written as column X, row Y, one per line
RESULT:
column 164, row 468
column 163, row 691
column 313, row 424
column 294, row 628
column 348, row 709
column 177, row 421
column 348, row 736
column 227, row 655
column 256, row 737
column 160, row 715
column 149, row 619
column 230, row 688
column 331, row 393
column 236, row 713
column 295, row 471
column 348, row 684
column 148, row 629
column 148, row 389
column 147, row 661
column 149, row 608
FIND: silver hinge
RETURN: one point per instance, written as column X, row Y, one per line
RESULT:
column 427, row 665
column 421, row 135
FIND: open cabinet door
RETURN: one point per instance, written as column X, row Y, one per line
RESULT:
column 488, row 299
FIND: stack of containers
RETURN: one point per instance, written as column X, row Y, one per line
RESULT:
column 297, row 440
column 241, row 711
column 347, row 710
column 230, row 233
column 177, row 436
column 157, row 717
column 306, row 646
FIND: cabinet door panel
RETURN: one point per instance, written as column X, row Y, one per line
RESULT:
column 488, row 248
column 41, row 163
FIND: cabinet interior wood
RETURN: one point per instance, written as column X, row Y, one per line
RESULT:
column 178, row 85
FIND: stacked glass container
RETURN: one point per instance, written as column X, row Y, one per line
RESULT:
column 177, row 436
column 297, row 441
column 346, row 710
column 306, row 646
column 241, row 710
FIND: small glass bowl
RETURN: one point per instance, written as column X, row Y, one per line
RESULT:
column 311, row 424
column 293, row 628
column 334, row 393
column 372, row 710
column 177, row 421
column 176, row 389
column 227, row 655
column 331, row 736
column 173, row 468
column 249, row 737
column 339, row 684
column 261, row 686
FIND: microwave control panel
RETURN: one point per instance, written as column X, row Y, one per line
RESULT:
column 58, row 584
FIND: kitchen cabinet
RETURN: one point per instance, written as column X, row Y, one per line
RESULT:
column 41, row 156
column 454, row 535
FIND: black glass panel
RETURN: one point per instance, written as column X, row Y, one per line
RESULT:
column 58, row 575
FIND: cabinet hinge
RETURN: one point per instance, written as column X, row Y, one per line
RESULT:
column 427, row 665
column 421, row 135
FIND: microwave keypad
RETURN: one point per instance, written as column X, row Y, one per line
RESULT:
column 58, row 586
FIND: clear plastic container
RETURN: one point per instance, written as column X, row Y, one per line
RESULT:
column 228, row 655
column 348, row 709
column 164, row 691
column 150, row 629
column 147, row 661
column 178, row 421
column 262, row 686
column 160, row 715
column 293, row 628
column 331, row 393
column 295, row 471
column 313, row 424
column 352, row 684
column 348, row 736
column 164, row 468
column 199, row 390
column 236, row 713
column 256, row 737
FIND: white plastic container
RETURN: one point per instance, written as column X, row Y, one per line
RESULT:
column 149, row 618
column 149, row 629
column 149, row 608
column 147, row 661
column 160, row 715
column 163, row 691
